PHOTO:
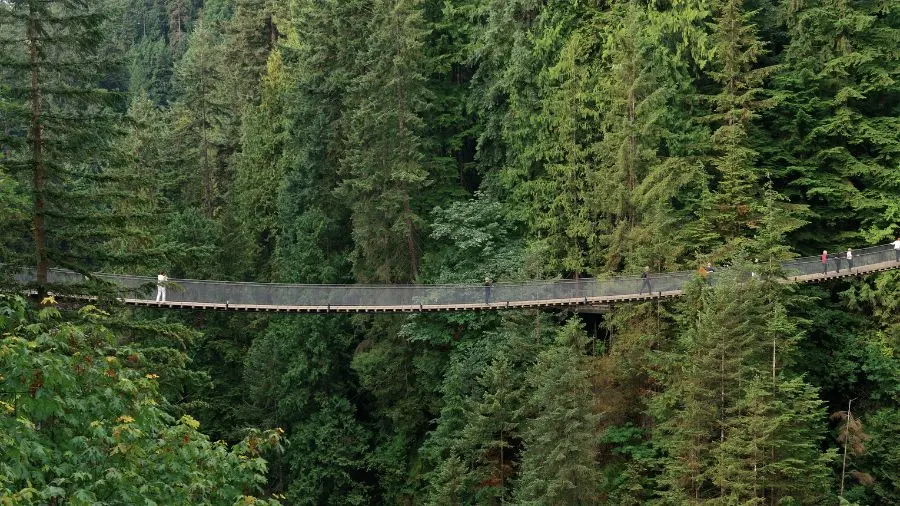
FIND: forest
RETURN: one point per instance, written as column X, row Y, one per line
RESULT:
column 441, row 142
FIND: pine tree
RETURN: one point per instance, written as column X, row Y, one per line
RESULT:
column 731, row 208
column 735, row 424
column 201, row 112
column 838, row 113
column 260, row 167
column 59, row 127
column 250, row 35
column 559, row 459
column 180, row 15
column 565, row 219
column 383, row 168
column 313, row 239
column 647, row 159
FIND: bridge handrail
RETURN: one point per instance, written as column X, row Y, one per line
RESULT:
column 288, row 294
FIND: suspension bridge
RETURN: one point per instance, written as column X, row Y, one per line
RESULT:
column 585, row 293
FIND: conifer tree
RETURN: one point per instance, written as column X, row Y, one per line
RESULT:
column 565, row 218
column 383, row 168
column 201, row 113
column 260, row 167
column 648, row 153
column 735, row 425
column 58, row 131
column 731, row 208
column 250, row 35
column 837, row 118
column 312, row 240
column 559, row 459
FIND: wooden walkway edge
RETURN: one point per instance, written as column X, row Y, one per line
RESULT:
column 581, row 302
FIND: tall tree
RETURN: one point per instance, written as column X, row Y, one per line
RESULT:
column 731, row 207
column 201, row 114
column 838, row 117
column 648, row 163
column 384, row 166
column 559, row 459
column 58, row 126
column 735, row 423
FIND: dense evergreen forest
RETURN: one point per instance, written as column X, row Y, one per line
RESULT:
column 449, row 141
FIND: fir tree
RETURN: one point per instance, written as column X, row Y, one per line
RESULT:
column 200, row 115
column 731, row 209
column 735, row 425
column 58, row 130
column 558, row 462
column 648, row 154
column 383, row 168
column 565, row 218
column 838, row 89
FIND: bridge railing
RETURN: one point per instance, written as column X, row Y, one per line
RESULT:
column 275, row 294
column 862, row 257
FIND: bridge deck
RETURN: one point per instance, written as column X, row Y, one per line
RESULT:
column 543, row 303
column 589, row 294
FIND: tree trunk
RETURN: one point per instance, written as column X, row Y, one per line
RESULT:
column 410, row 238
column 846, row 443
column 39, row 225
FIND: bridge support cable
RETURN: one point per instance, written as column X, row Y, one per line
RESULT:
column 307, row 298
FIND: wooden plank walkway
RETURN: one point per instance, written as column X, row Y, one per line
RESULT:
column 588, row 303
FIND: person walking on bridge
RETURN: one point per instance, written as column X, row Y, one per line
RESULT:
column 161, row 287
column 850, row 259
column 487, row 289
column 896, row 250
column 824, row 261
column 645, row 281
column 837, row 261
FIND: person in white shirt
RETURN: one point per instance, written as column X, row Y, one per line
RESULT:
column 896, row 250
column 850, row 258
column 160, row 287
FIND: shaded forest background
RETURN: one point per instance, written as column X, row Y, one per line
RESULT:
column 445, row 141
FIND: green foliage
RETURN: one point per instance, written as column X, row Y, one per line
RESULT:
column 838, row 118
column 59, row 124
column 735, row 424
column 445, row 141
column 732, row 208
column 559, row 436
column 81, row 423
column 382, row 168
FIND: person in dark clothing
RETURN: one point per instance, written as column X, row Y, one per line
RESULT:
column 487, row 289
column 837, row 261
column 645, row 281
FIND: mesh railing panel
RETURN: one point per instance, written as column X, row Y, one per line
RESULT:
column 274, row 294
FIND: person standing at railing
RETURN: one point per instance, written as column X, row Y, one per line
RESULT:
column 161, row 287
column 487, row 289
column 824, row 261
column 837, row 261
column 645, row 281
column 896, row 250
column 850, row 259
